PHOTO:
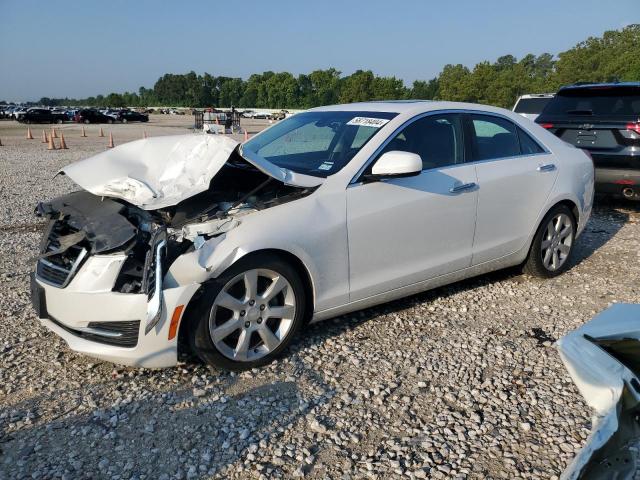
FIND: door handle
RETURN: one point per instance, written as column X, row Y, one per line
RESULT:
column 547, row 167
column 465, row 187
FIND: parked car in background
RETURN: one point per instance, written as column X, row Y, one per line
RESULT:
column 19, row 112
column 282, row 229
column 126, row 116
column 71, row 113
column 261, row 115
column 247, row 114
column 281, row 115
column 92, row 116
column 603, row 119
column 42, row 115
column 532, row 104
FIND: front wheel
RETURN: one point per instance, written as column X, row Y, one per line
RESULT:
column 249, row 315
column 553, row 244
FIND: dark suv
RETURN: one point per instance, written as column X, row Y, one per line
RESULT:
column 92, row 116
column 42, row 115
column 603, row 119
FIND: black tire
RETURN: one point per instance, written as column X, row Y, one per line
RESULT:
column 199, row 335
column 535, row 265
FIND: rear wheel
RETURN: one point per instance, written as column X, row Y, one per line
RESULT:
column 553, row 244
column 249, row 315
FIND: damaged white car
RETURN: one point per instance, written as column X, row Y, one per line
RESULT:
column 603, row 358
column 194, row 244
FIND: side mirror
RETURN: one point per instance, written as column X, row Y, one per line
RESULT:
column 397, row 164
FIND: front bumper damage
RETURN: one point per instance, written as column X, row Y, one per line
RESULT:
column 603, row 358
column 80, row 312
column 119, row 264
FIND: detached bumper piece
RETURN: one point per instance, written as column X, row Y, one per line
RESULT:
column 603, row 359
column 116, row 334
column 59, row 260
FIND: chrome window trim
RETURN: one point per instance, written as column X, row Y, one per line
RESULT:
column 355, row 180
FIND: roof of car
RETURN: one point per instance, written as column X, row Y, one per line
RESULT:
column 409, row 106
column 601, row 85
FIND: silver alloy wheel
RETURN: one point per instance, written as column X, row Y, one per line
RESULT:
column 252, row 315
column 556, row 242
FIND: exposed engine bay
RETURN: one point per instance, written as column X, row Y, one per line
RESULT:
column 84, row 224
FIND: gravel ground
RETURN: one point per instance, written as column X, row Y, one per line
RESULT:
column 459, row 382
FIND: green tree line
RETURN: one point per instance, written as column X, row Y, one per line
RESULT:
column 613, row 56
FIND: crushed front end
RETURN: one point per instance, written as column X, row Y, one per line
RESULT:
column 103, row 278
column 98, row 280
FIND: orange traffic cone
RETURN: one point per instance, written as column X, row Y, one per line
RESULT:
column 44, row 137
column 63, row 144
column 53, row 133
column 84, row 134
column 246, row 135
column 51, row 146
column 111, row 145
column 101, row 133
column 29, row 134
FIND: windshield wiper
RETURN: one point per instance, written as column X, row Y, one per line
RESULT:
column 580, row 112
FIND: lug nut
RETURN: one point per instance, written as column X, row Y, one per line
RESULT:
column 259, row 319
column 246, row 324
column 252, row 302
column 261, row 307
column 242, row 313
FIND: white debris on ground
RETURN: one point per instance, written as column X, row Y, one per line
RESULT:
column 460, row 382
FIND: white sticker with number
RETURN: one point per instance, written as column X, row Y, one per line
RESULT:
column 368, row 122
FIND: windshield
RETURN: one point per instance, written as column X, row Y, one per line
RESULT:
column 317, row 143
column 531, row 105
column 595, row 101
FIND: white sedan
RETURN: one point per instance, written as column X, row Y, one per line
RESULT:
column 193, row 244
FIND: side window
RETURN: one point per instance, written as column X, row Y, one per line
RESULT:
column 494, row 138
column 436, row 138
column 527, row 145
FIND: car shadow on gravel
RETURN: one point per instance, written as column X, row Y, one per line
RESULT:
column 183, row 432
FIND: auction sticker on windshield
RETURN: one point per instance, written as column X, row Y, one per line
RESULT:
column 368, row 122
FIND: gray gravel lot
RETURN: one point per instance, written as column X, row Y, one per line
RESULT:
column 459, row 382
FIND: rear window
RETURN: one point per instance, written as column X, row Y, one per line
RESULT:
column 531, row 105
column 595, row 101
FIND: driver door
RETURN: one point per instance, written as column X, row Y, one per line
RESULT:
column 405, row 230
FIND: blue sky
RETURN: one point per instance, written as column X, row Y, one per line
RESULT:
column 79, row 48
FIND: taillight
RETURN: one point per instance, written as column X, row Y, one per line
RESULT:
column 546, row 125
column 634, row 127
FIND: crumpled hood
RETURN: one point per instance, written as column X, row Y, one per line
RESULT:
column 161, row 171
column 154, row 172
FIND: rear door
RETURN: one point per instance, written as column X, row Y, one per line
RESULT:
column 515, row 177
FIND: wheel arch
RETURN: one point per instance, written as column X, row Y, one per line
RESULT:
column 569, row 203
column 194, row 307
